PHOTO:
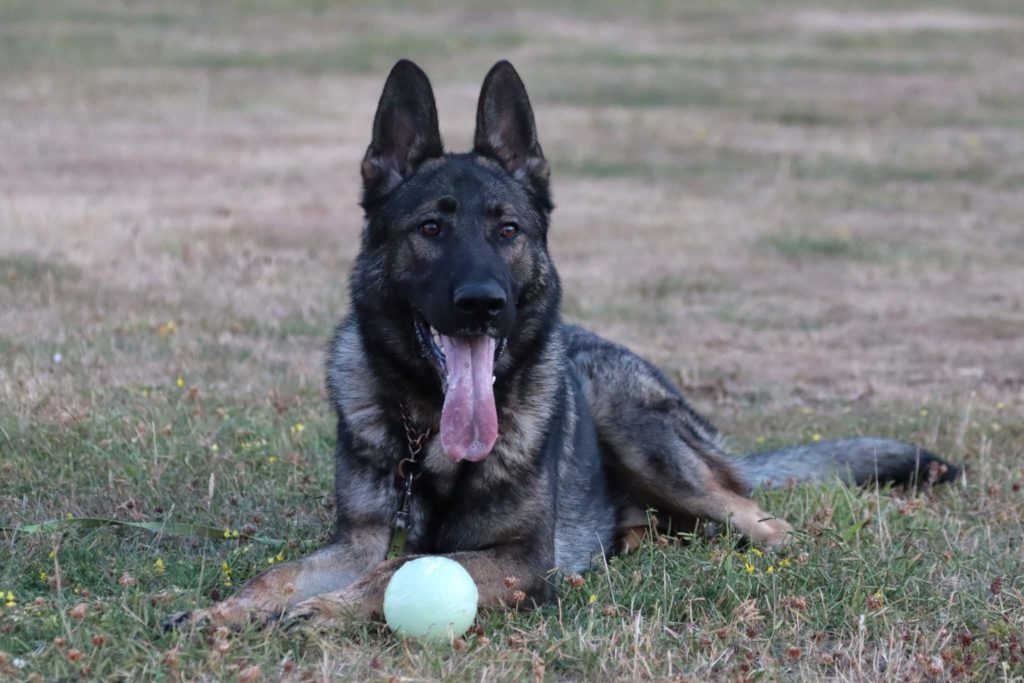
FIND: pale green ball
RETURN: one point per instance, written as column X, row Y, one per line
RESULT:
column 432, row 598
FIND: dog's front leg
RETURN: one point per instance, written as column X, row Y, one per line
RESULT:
column 500, row 576
column 268, row 595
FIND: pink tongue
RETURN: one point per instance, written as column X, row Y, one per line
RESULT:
column 469, row 420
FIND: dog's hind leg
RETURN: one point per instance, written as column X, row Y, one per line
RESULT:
column 658, row 448
column 658, row 469
column 267, row 596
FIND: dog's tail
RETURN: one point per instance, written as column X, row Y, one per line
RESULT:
column 852, row 461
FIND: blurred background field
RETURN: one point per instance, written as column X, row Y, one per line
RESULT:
column 810, row 214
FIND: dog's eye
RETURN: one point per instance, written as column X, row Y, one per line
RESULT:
column 430, row 229
column 509, row 230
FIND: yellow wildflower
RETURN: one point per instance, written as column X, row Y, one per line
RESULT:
column 43, row 576
column 593, row 598
column 272, row 459
column 750, row 568
column 298, row 428
column 924, row 412
column 180, row 382
column 769, row 570
column 784, row 562
column 160, row 565
column 10, row 599
column 280, row 556
column 816, row 437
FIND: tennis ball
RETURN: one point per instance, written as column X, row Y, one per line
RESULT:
column 432, row 598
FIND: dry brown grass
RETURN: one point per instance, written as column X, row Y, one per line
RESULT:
column 222, row 194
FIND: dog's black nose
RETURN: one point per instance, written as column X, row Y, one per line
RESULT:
column 481, row 300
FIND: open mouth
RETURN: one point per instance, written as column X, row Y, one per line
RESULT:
column 465, row 363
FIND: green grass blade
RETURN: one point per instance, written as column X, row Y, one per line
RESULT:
column 185, row 529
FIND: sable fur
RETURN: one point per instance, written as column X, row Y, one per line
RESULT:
column 590, row 435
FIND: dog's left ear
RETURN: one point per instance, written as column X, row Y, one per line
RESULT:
column 506, row 130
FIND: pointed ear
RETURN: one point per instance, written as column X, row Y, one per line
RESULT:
column 405, row 132
column 505, row 128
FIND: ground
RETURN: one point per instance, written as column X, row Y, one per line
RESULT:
column 809, row 216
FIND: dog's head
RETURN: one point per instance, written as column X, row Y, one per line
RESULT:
column 454, row 286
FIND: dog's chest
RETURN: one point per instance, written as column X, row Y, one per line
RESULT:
column 448, row 478
column 452, row 503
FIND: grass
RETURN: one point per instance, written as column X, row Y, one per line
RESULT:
column 633, row 93
column 699, row 164
column 809, row 246
column 178, row 217
column 875, row 578
column 27, row 271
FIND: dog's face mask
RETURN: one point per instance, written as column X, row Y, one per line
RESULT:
column 460, row 240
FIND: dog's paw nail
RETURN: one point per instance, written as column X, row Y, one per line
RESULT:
column 297, row 616
column 175, row 621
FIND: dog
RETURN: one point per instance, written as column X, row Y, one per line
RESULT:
column 473, row 422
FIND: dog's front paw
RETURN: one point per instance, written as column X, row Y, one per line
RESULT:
column 219, row 615
column 327, row 608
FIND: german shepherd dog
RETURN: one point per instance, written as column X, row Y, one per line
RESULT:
column 473, row 422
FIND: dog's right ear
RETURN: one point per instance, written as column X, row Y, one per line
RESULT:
column 506, row 130
column 405, row 131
